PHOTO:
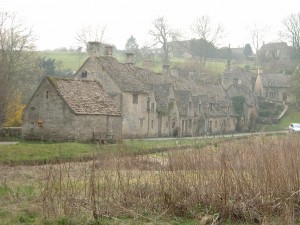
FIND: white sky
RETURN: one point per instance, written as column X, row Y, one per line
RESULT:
column 56, row 22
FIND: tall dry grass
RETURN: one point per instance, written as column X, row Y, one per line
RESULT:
column 253, row 180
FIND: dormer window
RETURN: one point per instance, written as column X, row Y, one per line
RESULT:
column 190, row 104
column 84, row 74
column 210, row 106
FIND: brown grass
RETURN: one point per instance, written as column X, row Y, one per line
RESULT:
column 253, row 180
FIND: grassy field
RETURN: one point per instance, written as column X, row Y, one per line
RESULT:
column 253, row 180
column 39, row 153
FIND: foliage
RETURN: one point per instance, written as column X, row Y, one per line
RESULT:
column 269, row 109
column 247, row 50
column 17, row 58
column 14, row 112
column 202, row 48
column 131, row 44
column 291, row 31
column 238, row 104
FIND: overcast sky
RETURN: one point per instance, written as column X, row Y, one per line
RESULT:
column 56, row 22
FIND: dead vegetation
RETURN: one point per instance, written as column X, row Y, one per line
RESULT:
column 253, row 180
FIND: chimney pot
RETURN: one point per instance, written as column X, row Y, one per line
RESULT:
column 108, row 50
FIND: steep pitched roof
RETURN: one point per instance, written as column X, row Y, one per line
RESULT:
column 236, row 90
column 161, row 93
column 84, row 96
column 182, row 99
column 276, row 80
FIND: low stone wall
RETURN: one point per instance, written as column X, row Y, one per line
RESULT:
column 10, row 132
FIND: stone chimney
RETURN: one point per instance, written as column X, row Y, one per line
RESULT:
column 148, row 64
column 129, row 58
column 94, row 49
column 166, row 69
column 108, row 50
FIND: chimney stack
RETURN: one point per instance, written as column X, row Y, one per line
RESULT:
column 94, row 49
column 148, row 64
column 166, row 69
column 129, row 58
column 108, row 50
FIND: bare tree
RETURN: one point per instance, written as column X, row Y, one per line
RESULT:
column 163, row 34
column 291, row 31
column 257, row 35
column 17, row 58
column 88, row 33
column 206, row 36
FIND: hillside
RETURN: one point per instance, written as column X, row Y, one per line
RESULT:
column 292, row 115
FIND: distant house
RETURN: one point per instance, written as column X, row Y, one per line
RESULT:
column 275, row 51
column 240, row 77
column 274, row 87
column 66, row 109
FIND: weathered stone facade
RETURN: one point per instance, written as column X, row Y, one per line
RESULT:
column 148, row 102
column 274, row 87
column 64, row 109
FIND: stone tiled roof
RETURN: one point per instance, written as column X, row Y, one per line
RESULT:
column 141, row 80
column 161, row 93
column 125, row 75
column 85, row 97
column 276, row 80
column 182, row 99
column 237, row 90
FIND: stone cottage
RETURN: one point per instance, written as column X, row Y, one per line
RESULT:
column 66, row 109
column 274, row 87
column 155, row 104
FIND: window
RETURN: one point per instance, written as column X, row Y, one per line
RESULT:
column 84, row 74
column 199, row 107
column 167, row 124
column 216, row 124
column 152, row 106
column 152, row 123
column 47, row 94
column 135, row 98
column 40, row 123
column 210, row 106
column 190, row 104
column 173, row 124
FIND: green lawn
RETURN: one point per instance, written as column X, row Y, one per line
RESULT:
column 31, row 153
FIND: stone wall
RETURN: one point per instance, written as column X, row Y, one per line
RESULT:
column 10, row 131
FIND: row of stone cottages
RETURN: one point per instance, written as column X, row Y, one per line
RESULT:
column 131, row 102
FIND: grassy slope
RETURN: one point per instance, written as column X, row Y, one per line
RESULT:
column 71, row 60
column 292, row 115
